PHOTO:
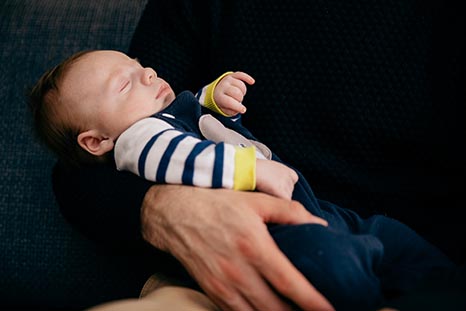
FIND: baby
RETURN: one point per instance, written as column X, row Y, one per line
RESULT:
column 106, row 93
column 104, row 106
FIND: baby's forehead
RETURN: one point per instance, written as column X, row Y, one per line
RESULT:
column 81, row 78
column 104, row 56
column 93, row 63
column 91, row 73
column 98, row 63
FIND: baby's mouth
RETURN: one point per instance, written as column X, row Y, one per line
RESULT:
column 161, row 90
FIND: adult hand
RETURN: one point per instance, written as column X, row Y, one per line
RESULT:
column 221, row 237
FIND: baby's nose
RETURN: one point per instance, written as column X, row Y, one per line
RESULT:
column 149, row 75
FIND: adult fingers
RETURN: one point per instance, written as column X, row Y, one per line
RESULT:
column 281, row 211
column 238, row 286
column 288, row 281
column 253, row 292
column 275, row 270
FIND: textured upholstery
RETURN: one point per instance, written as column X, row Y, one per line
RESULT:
column 44, row 263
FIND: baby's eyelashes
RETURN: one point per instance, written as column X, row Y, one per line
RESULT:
column 124, row 86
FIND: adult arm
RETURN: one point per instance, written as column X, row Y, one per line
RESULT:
column 221, row 238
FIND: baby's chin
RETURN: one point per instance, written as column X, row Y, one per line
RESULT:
column 169, row 98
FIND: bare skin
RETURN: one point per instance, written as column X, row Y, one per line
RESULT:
column 275, row 178
column 243, row 262
column 162, row 299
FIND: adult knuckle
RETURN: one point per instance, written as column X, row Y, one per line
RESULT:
column 217, row 288
column 231, row 272
column 283, row 284
column 224, row 296
column 294, row 207
column 248, row 247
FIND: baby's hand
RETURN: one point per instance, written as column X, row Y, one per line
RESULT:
column 275, row 178
column 230, row 91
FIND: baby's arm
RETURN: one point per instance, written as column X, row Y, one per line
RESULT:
column 154, row 150
column 271, row 177
column 225, row 96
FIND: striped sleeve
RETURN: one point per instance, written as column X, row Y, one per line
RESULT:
column 154, row 150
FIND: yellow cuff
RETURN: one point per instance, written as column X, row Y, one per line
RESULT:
column 209, row 96
column 245, row 168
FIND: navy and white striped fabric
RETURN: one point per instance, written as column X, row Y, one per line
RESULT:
column 155, row 150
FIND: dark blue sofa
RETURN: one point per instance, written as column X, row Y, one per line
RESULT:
column 44, row 263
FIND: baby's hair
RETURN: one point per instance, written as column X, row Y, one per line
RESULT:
column 49, row 115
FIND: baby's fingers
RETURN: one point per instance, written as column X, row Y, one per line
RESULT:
column 231, row 105
column 243, row 77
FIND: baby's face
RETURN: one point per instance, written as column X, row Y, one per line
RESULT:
column 107, row 91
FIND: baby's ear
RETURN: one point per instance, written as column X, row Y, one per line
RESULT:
column 95, row 143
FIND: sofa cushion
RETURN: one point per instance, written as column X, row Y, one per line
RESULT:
column 44, row 263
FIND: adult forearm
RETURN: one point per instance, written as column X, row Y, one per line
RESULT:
column 155, row 211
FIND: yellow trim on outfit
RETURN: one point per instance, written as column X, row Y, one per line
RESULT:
column 209, row 96
column 245, row 168
column 245, row 157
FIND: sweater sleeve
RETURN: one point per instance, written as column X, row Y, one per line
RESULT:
column 154, row 150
